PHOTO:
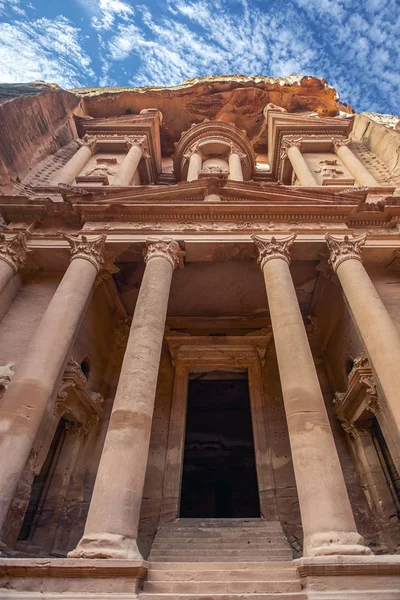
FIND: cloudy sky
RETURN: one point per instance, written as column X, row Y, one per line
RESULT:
column 353, row 44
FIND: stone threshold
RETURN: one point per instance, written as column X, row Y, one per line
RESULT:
column 72, row 567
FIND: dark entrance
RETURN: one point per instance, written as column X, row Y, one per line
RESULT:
column 219, row 471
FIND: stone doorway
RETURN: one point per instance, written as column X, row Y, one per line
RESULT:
column 242, row 357
column 219, row 478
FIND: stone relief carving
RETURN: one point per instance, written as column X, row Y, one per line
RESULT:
column 89, row 142
column 269, row 249
column 6, row 374
column 13, row 250
column 361, row 397
column 288, row 142
column 344, row 249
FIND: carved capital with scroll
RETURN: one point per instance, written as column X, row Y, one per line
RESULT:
column 13, row 250
column 338, row 142
column 168, row 249
column 273, row 248
column 89, row 142
column 341, row 249
column 289, row 141
column 92, row 250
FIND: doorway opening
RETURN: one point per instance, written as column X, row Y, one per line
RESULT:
column 219, row 470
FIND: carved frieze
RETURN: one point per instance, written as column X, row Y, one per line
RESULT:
column 168, row 249
column 273, row 248
column 344, row 249
column 13, row 250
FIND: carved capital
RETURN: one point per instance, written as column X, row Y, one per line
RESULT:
column 89, row 142
column 273, row 248
column 236, row 150
column 168, row 249
column 338, row 142
column 13, row 250
column 92, row 250
column 288, row 142
column 344, row 249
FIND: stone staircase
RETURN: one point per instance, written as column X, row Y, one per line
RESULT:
column 221, row 559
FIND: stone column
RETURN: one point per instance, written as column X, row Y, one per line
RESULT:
column 13, row 253
column 379, row 334
column 130, row 163
column 355, row 166
column 75, row 165
column 327, row 518
column 38, row 373
column 235, row 166
column 291, row 148
column 195, row 164
column 113, row 519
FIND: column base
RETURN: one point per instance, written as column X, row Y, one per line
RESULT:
column 106, row 545
column 335, row 542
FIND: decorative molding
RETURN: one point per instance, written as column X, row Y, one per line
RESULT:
column 13, row 250
column 167, row 248
column 92, row 250
column 344, row 249
column 273, row 248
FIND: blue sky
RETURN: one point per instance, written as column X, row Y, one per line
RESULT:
column 354, row 45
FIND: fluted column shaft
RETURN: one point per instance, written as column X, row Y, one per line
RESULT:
column 13, row 253
column 113, row 519
column 355, row 166
column 379, row 334
column 27, row 397
column 75, row 165
column 235, row 167
column 129, row 165
column 195, row 164
column 300, row 167
column 326, row 514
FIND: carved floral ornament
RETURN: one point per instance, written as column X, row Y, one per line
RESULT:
column 92, row 250
column 344, row 249
column 273, row 248
column 140, row 141
column 338, row 142
column 13, row 250
column 88, row 141
column 168, row 249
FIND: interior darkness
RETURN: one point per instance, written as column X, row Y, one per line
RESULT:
column 219, row 471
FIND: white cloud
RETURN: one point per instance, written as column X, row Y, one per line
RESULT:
column 110, row 10
column 11, row 5
column 44, row 49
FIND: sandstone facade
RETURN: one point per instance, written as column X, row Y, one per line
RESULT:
column 199, row 343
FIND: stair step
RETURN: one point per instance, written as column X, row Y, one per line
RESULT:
column 262, row 596
column 218, row 544
column 228, row 574
column 221, row 587
column 216, row 551
column 228, row 559
column 222, row 566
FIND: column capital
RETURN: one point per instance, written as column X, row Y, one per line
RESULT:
column 236, row 150
column 168, row 249
column 13, row 250
column 290, row 141
column 338, row 142
column 140, row 141
column 92, row 250
column 194, row 149
column 273, row 248
column 88, row 142
column 344, row 249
